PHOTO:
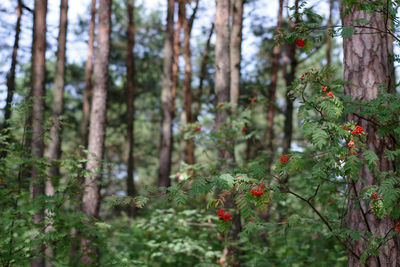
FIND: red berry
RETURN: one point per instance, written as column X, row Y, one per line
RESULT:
column 357, row 130
column 254, row 100
column 198, row 128
column 244, row 129
column 284, row 158
column 300, row 42
column 330, row 94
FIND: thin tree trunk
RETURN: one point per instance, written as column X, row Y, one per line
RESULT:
column 329, row 38
column 289, row 78
column 38, row 93
column 276, row 54
column 88, row 78
column 11, row 74
column 187, row 87
column 177, row 52
column 222, row 90
column 91, row 196
column 54, row 150
column 366, row 68
column 85, row 118
column 236, row 50
column 166, row 102
column 203, row 72
column 130, row 185
column 222, row 62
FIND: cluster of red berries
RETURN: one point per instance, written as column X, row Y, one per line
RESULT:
column 224, row 216
column 357, row 130
column 352, row 153
column 198, row 128
column 397, row 228
column 284, row 158
column 254, row 100
column 259, row 191
column 300, row 42
column 302, row 76
column 374, row 195
column 244, row 129
column 324, row 89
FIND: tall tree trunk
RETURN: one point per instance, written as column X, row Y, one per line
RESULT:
column 276, row 54
column 236, row 50
column 222, row 90
column 88, row 78
column 367, row 65
column 187, row 83
column 38, row 92
column 222, row 62
column 166, row 102
column 54, row 150
column 91, row 196
column 177, row 52
column 85, row 118
column 289, row 78
column 329, row 38
column 130, row 185
column 202, row 76
column 11, row 74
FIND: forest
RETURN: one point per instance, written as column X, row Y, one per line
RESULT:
column 200, row 133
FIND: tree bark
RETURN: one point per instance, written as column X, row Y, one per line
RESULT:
column 91, row 196
column 289, row 78
column 187, row 83
column 86, row 115
column 222, row 62
column 202, row 76
column 236, row 51
column 329, row 38
column 276, row 54
column 222, row 90
column 367, row 65
column 166, row 102
column 130, row 185
column 177, row 52
column 38, row 93
column 54, row 150
column 88, row 78
column 11, row 74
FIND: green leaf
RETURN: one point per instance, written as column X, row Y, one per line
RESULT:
column 347, row 31
column 371, row 159
column 228, row 179
column 308, row 47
